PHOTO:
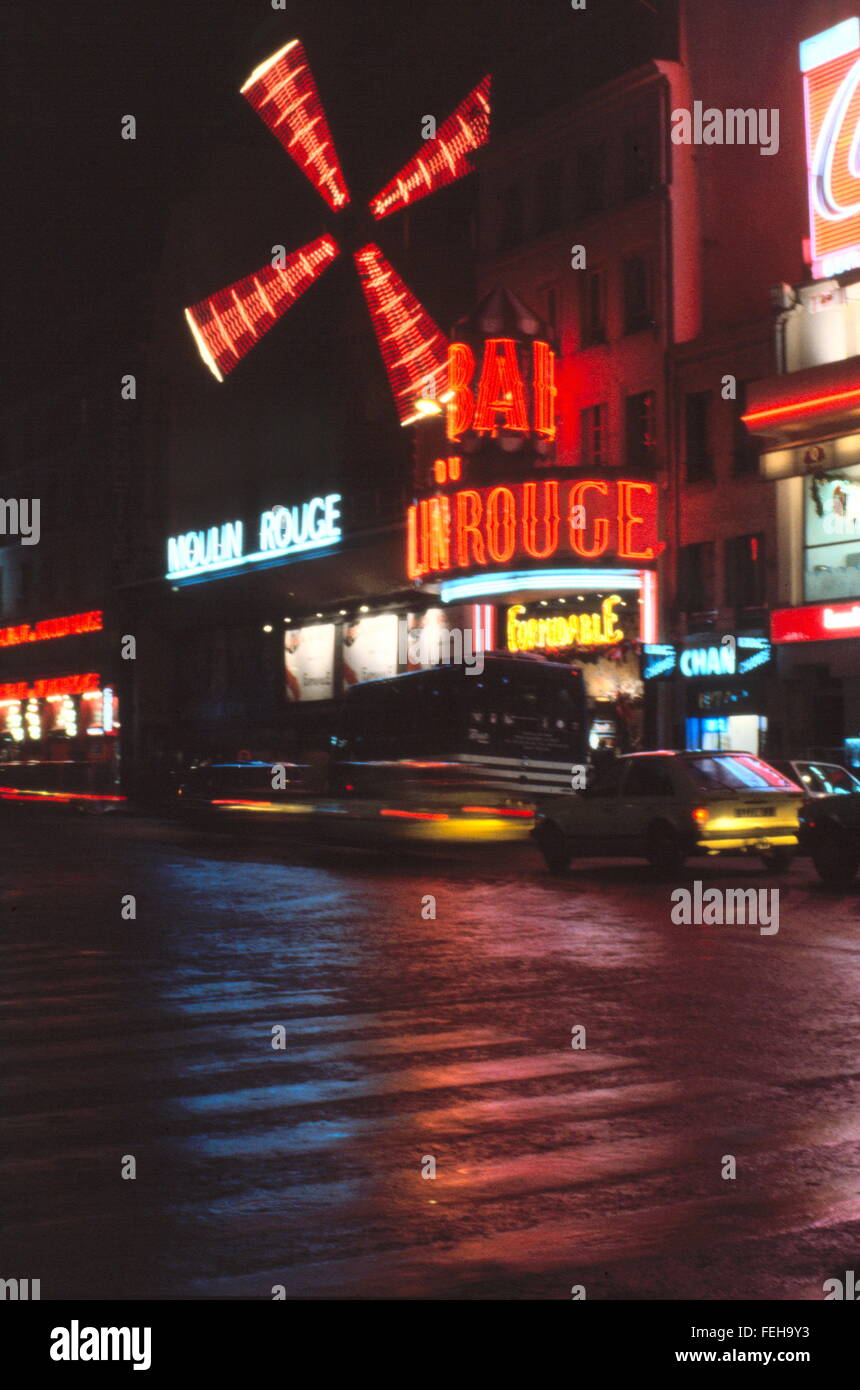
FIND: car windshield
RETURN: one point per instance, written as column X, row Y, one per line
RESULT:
column 740, row 772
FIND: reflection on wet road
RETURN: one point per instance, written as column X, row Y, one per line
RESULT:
column 408, row 1038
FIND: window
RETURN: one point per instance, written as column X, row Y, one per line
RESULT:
column 696, row 594
column 591, row 187
column 697, row 437
column 594, row 308
column 744, row 446
column 511, row 222
column 594, row 422
column 736, row 773
column 828, row 779
column 550, row 196
column 649, row 777
column 639, row 431
column 609, row 779
column 639, row 160
column 638, row 294
column 746, row 579
column 550, row 295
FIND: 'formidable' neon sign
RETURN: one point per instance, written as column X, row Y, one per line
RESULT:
column 564, row 629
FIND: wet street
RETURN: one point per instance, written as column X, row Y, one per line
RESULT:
column 411, row 1042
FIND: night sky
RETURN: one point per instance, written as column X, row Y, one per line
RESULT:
column 88, row 210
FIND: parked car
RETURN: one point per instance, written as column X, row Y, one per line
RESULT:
column 817, row 779
column 669, row 806
column 829, row 829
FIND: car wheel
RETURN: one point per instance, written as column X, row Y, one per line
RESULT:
column 834, row 862
column 554, row 849
column 778, row 861
column 664, row 851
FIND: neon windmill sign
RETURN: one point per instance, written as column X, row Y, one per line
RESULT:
column 830, row 63
column 227, row 325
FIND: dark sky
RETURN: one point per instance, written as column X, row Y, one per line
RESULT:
column 87, row 209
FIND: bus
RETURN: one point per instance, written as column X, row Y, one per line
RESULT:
column 519, row 725
column 443, row 753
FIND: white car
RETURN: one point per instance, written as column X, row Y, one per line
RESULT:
column 669, row 806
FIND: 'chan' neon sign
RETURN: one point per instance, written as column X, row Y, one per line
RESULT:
column 475, row 527
column 505, row 398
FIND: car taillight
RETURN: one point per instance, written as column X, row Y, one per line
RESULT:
column 700, row 815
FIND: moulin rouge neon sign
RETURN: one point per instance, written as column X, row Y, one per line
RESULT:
column 504, row 398
column 588, row 518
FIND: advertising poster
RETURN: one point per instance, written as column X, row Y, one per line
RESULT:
column 370, row 648
column 309, row 662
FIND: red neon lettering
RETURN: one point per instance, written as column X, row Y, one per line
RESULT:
column 413, row 568
column 469, row 501
column 461, row 406
column 601, row 525
column 49, row 628
column 549, row 520
column 545, row 389
column 627, row 520
column 501, row 389
column 440, row 532
column 501, row 524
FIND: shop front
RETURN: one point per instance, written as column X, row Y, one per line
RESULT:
column 719, row 689
column 59, row 717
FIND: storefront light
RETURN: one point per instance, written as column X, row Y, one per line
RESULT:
column 515, row 581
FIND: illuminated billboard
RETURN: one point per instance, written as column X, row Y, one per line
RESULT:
column 830, row 63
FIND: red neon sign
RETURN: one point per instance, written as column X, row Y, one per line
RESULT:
column 802, row 405
column 831, row 90
column 500, row 401
column 53, row 685
column 49, row 628
column 225, row 326
column 489, row 526
column 444, row 159
column 820, row 622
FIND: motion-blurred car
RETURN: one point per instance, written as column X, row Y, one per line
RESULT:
column 830, row 832
column 817, row 779
column 670, row 806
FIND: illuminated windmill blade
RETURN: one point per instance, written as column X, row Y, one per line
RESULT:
column 229, row 323
column 283, row 93
column 445, row 159
column 413, row 349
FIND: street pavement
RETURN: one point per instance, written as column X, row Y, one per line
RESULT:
column 413, row 1042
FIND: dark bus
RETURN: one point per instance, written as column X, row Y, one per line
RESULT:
column 438, row 754
column 518, row 726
